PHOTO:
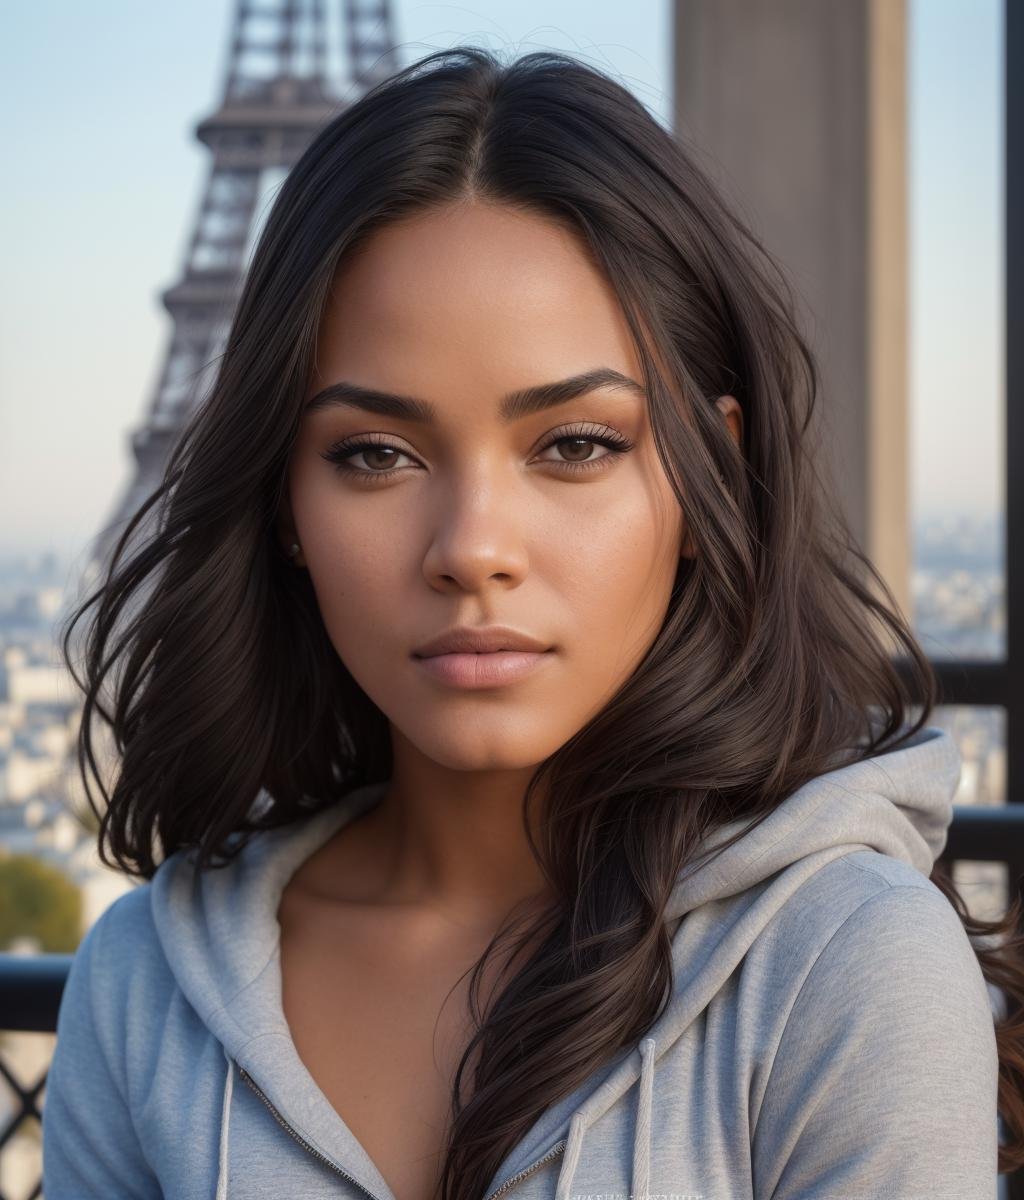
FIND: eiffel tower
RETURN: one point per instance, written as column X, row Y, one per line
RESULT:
column 279, row 91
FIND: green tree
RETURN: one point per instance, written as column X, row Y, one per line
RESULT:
column 38, row 900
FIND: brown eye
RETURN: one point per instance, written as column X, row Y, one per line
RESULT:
column 379, row 457
column 372, row 456
column 576, row 448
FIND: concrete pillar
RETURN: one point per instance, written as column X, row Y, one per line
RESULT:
column 799, row 110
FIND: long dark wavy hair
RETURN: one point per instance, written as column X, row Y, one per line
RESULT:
column 782, row 646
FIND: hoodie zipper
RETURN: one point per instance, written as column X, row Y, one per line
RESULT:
column 557, row 1148
column 301, row 1140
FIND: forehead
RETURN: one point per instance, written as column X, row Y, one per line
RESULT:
column 477, row 297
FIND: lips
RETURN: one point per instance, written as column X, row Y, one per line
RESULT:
column 494, row 668
column 480, row 639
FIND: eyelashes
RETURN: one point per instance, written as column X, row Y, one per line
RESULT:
column 615, row 443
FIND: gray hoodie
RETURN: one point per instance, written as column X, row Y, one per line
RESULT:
column 830, row 1033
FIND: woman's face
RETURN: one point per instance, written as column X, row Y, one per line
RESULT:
column 476, row 505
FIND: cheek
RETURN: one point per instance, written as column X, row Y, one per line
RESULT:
column 355, row 579
column 613, row 566
column 357, row 563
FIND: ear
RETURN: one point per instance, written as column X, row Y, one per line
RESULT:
column 285, row 532
column 687, row 550
column 729, row 406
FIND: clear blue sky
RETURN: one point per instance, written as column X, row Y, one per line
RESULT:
column 104, row 175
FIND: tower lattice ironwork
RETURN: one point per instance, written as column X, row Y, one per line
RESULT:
column 280, row 88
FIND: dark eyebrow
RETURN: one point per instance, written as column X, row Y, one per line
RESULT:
column 513, row 406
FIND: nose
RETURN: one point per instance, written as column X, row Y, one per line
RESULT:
column 476, row 535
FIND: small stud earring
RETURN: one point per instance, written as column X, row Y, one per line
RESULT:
column 293, row 549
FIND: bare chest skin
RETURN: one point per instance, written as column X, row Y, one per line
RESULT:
column 365, row 994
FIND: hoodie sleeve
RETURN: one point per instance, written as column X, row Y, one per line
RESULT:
column 90, row 1147
column 884, row 1083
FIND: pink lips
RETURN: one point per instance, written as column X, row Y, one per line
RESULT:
column 492, row 669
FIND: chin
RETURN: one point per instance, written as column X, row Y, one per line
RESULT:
column 495, row 750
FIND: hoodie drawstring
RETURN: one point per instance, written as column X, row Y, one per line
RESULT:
column 644, row 1107
column 641, row 1138
column 225, row 1118
column 571, row 1156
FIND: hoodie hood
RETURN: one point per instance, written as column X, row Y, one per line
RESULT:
column 219, row 933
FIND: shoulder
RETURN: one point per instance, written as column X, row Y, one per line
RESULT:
column 865, row 895
column 868, row 961
column 101, row 1068
column 887, row 980
column 119, row 967
column 886, row 1067
column 886, row 903
column 127, row 915
column 122, row 934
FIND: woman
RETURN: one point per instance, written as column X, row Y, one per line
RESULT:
column 526, row 800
